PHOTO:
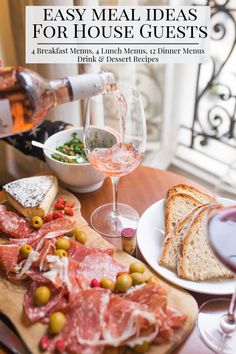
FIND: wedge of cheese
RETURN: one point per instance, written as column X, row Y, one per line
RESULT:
column 32, row 196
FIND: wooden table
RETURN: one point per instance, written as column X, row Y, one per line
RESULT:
column 140, row 189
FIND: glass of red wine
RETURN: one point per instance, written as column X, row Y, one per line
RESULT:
column 115, row 141
column 217, row 317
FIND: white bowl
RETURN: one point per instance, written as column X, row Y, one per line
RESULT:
column 81, row 178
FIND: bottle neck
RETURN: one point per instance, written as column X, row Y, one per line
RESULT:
column 79, row 87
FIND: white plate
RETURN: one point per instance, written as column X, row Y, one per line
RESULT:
column 150, row 239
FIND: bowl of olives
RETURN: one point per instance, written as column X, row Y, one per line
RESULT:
column 76, row 175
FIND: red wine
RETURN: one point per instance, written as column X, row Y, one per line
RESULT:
column 222, row 236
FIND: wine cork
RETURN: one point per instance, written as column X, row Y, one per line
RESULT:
column 128, row 240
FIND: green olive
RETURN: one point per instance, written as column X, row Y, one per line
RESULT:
column 81, row 237
column 25, row 251
column 153, row 279
column 123, row 283
column 137, row 278
column 41, row 295
column 108, row 284
column 71, row 233
column 62, row 243
column 56, row 322
column 36, row 222
column 142, row 348
column 137, row 267
column 60, row 253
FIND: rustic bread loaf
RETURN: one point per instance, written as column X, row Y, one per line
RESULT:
column 197, row 261
column 32, row 196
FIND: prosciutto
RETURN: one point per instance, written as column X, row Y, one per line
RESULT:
column 154, row 296
column 98, row 318
column 14, row 225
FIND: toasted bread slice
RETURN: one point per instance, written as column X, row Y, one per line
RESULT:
column 197, row 261
column 194, row 192
column 177, row 207
column 173, row 241
column 32, row 196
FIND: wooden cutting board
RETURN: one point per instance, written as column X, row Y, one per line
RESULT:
column 11, row 296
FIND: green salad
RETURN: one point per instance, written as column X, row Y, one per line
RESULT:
column 73, row 147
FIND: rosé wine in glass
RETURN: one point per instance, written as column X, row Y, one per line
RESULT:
column 114, row 141
column 117, row 161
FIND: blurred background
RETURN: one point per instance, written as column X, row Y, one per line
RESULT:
column 190, row 109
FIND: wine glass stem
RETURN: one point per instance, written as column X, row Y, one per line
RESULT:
column 115, row 182
column 232, row 307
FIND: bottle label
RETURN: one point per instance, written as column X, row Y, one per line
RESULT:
column 6, row 121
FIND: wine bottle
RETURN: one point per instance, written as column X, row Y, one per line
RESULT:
column 26, row 97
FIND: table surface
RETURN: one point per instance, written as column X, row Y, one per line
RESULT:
column 140, row 189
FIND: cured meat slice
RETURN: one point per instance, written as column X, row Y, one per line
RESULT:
column 126, row 320
column 100, row 265
column 50, row 229
column 8, row 257
column 85, row 322
column 58, row 301
column 98, row 318
column 78, row 252
column 14, row 225
column 154, row 296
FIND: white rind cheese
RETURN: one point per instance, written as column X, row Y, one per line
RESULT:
column 30, row 192
column 32, row 196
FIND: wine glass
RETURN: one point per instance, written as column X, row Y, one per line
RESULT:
column 114, row 141
column 217, row 317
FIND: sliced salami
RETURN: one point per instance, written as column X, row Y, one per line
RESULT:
column 78, row 252
column 8, row 257
column 100, row 265
column 14, row 225
column 58, row 301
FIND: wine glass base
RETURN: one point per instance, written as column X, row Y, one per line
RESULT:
column 209, row 328
column 106, row 222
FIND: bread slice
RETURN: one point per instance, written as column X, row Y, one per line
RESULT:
column 197, row 261
column 177, row 207
column 194, row 192
column 32, row 196
column 173, row 241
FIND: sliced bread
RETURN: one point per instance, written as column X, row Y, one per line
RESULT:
column 194, row 192
column 173, row 241
column 197, row 261
column 32, row 196
column 177, row 207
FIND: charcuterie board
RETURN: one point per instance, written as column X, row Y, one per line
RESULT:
column 11, row 295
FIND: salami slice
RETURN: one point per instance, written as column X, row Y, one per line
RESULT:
column 78, row 252
column 8, row 257
column 49, row 230
column 100, row 265
column 14, row 225
column 58, row 301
